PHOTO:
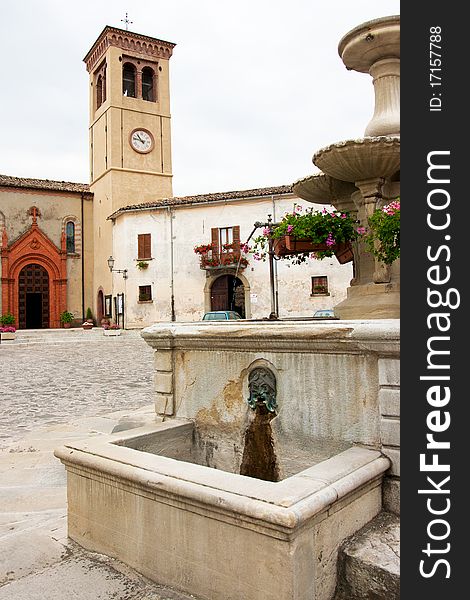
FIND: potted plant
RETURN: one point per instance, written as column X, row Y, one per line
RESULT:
column 312, row 234
column 111, row 329
column 383, row 238
column 89, row 322
column 7, row 332
column 142, row 264
column 66, row 318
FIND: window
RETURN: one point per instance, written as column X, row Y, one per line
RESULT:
column 148, row 84
column 145, row 293
column 70, row 237
column 128, row 80
column 226, row 236
column 319, row 286
column 144, row 246
column 100, row 90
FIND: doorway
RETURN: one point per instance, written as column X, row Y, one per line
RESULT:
column 228, row 293
column 33, row 301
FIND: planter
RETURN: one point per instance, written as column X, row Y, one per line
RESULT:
column 87, row 325
column 112, row 332
column 297, row 245
column 288, row 246
column 66, row 325
column 343, row 252
column 8, row 336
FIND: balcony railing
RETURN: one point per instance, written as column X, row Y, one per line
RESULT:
column 230, row 257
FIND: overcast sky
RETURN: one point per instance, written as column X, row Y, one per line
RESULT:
column 256, row 86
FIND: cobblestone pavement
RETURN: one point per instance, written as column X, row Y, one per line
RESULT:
column 47, row 382
column 60, row 386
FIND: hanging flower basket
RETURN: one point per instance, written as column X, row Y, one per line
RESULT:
column 313, row 234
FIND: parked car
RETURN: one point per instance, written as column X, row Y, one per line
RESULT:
column 325, row 313
column 221, row 315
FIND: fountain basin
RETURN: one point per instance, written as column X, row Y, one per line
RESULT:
column 323, row 189
column 218, row 535
column 360, row 160
column 370, row 42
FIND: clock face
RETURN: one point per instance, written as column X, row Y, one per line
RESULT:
column 141, row 140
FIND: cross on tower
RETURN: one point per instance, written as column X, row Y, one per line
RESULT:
column 127, row 22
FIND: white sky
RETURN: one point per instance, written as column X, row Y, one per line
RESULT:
column 256, row 86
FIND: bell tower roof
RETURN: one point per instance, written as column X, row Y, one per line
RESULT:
column 126, row 40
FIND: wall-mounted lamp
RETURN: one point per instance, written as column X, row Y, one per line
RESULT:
column 112, row 269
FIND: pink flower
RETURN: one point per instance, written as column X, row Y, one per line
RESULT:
column 343, row 216
column 361, row 230
column 245, row 248
column 266, row 231
column 290, row 228
column 330, row 240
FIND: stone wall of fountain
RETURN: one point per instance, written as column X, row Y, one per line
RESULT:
column 362, row 175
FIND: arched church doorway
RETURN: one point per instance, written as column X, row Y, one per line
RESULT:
column 33, row 301
column 228, row 293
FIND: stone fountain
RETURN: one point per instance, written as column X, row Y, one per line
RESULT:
column 361, row 175
column 273, row 441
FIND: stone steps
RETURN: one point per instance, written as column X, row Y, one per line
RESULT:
column 31, row 336
column 369, row 562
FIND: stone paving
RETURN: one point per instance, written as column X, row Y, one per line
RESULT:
column 59, row 387
column 52, row 381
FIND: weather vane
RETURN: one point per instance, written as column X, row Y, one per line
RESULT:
column 127, row 22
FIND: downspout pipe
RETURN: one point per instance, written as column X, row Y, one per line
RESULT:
column 83, row 256
column 172, row 279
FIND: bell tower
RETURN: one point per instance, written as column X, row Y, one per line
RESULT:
column 130, row 137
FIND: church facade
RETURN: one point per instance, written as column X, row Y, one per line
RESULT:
column 58, row 240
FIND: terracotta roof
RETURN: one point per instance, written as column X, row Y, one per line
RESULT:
column 207, row 198
column 44, row 184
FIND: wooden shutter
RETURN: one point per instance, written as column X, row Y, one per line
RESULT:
column 236, row 239
column 144, row 246
column 215, row 239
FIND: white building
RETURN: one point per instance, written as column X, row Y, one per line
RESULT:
column 161, row 236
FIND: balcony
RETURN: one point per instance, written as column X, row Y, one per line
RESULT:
column 231, row 257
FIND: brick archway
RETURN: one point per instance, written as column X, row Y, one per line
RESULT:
column 34, row 247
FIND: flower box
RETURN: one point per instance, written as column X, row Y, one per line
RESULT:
column 112, row 332
column 288, row 245
column 303, row 245
column 343, row 252
column 7, row 336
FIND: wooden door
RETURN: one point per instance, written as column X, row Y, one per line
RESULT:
column 219, row 294
column 33, row 283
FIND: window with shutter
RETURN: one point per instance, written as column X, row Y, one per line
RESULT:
column 319, row 286
column 144, row 246
column 145, row 293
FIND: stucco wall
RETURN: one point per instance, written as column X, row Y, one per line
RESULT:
column 191, row 226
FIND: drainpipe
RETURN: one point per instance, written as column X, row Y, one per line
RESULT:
column 83, row 257
column 172, row 281
column 276, row 289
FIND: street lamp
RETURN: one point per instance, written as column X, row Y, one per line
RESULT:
column 111, row 268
